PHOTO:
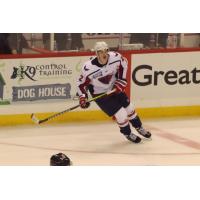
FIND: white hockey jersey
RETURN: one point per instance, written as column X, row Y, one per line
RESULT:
column 102, row 77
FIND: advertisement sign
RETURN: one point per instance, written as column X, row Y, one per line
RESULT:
column 30, row 80
column 39, row 84
column 165, row 79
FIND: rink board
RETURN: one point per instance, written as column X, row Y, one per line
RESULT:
column 39, row 89
column 94, row 116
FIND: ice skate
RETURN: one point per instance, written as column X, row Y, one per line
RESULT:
column 143, row 132
column 133, row 138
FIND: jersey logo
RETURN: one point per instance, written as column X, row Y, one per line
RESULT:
column 97, row 74
column 105, row 79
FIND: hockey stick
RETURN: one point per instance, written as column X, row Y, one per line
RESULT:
column 39, row 121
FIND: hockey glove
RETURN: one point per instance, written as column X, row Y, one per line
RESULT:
column 120, row 85
column 83, row 102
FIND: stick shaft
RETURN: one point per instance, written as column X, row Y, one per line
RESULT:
column 57, row 114
column 72, row 108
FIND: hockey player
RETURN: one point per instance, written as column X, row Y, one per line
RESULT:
column 101, row 74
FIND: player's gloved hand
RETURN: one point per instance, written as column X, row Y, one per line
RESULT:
column 83, row 102
column 120, row 85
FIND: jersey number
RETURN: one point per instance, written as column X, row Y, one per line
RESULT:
column 81, row 78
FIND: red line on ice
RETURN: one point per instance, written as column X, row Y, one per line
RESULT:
column 175, row 138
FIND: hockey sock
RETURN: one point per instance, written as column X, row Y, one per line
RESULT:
column 136, row 122
column 130, row 111
column 122, row 121
column 133, row 117
column 126, row 130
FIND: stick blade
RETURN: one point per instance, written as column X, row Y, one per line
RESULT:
column 35, row 119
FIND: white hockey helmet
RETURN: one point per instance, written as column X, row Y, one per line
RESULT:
column 101, row 46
